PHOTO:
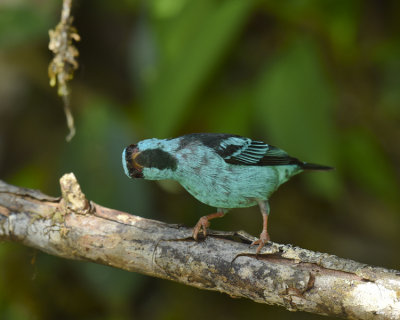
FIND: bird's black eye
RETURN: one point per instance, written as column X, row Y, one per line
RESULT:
column 156, row 158
column 129, row 150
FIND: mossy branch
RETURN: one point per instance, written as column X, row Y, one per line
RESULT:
column 72, row 227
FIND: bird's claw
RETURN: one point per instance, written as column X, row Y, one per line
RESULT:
column 264, row 238
column 203, row 223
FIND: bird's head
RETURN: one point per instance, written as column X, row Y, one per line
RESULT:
column 149, row 159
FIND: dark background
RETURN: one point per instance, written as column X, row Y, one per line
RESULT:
column 319, row 79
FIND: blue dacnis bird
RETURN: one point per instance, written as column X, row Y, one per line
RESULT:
column 221, row 170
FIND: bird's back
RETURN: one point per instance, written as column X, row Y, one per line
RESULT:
column 213, row 181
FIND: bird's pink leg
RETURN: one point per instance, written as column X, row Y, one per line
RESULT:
column 204, row 223
column 264, row 236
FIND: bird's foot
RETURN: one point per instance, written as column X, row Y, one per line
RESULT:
column 264, row 238
column 203, row 223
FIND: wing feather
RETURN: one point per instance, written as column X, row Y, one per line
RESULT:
column 255, row 153
column 239, row 150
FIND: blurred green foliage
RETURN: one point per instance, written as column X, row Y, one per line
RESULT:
column 295, row 104
column 321, row 79
column 190, row 49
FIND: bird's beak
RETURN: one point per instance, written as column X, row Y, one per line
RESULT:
column 136, row 165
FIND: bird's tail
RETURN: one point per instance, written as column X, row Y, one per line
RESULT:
column 313, row 166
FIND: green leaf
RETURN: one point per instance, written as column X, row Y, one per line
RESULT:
column 22, row 23
column 369, row 166
column 190, row 61
column 295, row 103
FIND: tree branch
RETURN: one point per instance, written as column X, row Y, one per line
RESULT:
column 297, row 279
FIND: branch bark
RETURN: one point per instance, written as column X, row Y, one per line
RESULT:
column 74, row 228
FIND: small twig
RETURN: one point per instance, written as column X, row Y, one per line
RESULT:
column 69, row 117
column 62, row 67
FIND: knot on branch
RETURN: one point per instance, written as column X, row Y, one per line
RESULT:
column 73, row 199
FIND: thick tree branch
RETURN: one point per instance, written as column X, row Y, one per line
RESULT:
column 74, row 228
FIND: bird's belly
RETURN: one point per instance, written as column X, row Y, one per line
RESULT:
column 231, row 187
column 220, row 198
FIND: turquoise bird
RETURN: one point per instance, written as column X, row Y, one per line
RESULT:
column 224, row 171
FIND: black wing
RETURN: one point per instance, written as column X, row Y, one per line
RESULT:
column 244, row 151
column 258, row 153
